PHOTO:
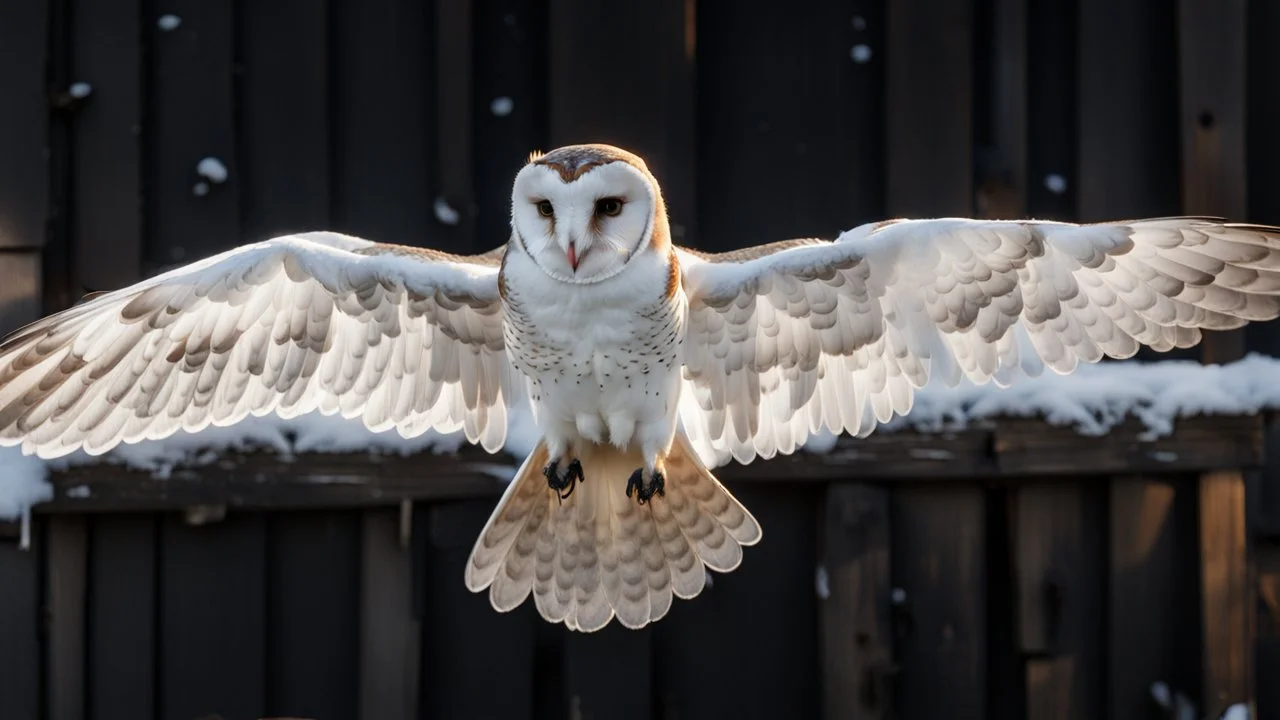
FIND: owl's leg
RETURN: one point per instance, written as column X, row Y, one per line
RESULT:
column 562, row 482
column 648, row 481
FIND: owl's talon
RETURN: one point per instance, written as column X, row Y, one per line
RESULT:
column 563, row 485
column 645, row 491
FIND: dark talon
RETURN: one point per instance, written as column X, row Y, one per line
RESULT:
column 563, row 486
column 644, row 492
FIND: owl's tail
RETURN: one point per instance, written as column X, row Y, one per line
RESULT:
column 599, row 553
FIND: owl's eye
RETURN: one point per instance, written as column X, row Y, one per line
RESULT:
column 609, row 206
column 545, row 208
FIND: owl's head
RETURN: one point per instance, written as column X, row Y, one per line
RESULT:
column 583, row 211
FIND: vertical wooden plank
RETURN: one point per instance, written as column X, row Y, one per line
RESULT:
column 19, row 630
column 382, row 120
column 1128, row 162
column 107, row 159
column 1268, row 656
column 19, row 289
column 122, row 582
column 928, row 90
column 24, row 167
column 510, row 105
column 212, row 602
column 455, row 195
column 1227, row 593
column 66, row 584
column 390, row 635
column 766, row 608
column 192, row 107
column 855, row 632
column 1059, row 566
column 604, row 666
column 284, row 117
column 623, row 74
column 761, row 129
column 1052, row 171
column 939, row 562
column 1151, row 593
column 467, row 642
column 1002, row 139
column 1211, row 48
column 313, row 613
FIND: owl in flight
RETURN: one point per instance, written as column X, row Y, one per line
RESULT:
column 644, row 364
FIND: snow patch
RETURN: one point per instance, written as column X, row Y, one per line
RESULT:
column 445, row 212
column 80, row 90
column 79, row 492
column 212, row 169
column 23, row 482
column 859, row 23
column 200, row 189
column 168, row 22
column 822, row 583
column 502, row 106
column 1055, row 183
column 860, row 53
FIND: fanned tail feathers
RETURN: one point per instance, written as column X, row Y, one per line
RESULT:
column 599, row 554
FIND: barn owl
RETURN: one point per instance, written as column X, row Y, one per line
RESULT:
column 644, row 364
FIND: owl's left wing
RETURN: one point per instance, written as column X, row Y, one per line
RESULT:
column 789, row 338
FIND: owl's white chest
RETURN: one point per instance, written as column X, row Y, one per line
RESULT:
column 603, row 359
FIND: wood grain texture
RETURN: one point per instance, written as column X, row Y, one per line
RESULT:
column 107, row 214
column 24, row 141
column 66, row 587
column 19, row 289
column 928, row 108
column 122, row 616
column 856, row 634
column 1228, row 593
column 454, row 141
column 940, row 564
column 390, row 635
column 20, row 629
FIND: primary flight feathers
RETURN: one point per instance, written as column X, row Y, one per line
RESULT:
column 782, row 339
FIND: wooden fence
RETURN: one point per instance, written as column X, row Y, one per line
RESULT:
column 1010, row 571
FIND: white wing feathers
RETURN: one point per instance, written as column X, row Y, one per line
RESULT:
column 395, row 336
column 789, row 338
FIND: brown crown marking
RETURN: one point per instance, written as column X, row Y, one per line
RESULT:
column 574, row 161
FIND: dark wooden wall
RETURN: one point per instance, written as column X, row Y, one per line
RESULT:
column 1062, row 598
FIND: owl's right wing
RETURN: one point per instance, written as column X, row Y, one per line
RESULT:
column 399, row 337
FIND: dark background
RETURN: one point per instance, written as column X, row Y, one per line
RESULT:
column 763, row 120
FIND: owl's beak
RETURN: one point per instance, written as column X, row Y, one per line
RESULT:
column 572, row 252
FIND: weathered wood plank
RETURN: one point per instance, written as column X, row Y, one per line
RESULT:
column 1059, row 569
column 67, row 593
column 212, row 617
column 1268, row 656
column 20, row 629
column 107, row 159
column 1228, row 595
column 192, row 117
column 24, row 141
column 390, row 635
column 760, row 130
column 1053, row 175
column 454, row 126
column 122, row 620
column 1001, row 141
column 466, row 643
column 510, row 99
column 284, row 117
column 601, row 667
column 767, row 602
column 381, row 171
column 1014, row 449
column 940, row 564
column 623, row 74
column 20, row 292
column 855, row 633
column 313, row 618
column 928, row 90
column 1151, row 592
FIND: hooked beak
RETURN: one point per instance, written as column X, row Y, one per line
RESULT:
column 572, row 252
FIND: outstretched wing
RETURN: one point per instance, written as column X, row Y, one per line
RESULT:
column 785, row 339
column 396, row 336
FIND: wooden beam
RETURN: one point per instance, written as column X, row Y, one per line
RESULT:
column 856, row 635
column 454, row 127
column 24, row 135
column 390, row 635
column 20, row 630
column 122, row 620
column 1013, row 450
column 1228, row 597
column 67, row 592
